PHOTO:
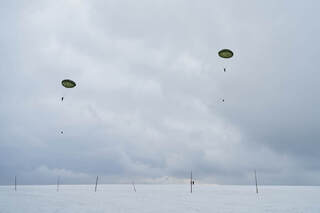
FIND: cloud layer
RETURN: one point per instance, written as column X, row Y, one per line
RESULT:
column 148, row 102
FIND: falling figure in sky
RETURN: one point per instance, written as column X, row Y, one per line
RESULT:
column 224, row 69
column 222, row 100
column 62, row 98
column 61, row 132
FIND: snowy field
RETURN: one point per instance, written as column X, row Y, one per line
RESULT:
column 159, row 199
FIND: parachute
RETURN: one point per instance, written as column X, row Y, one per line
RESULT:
column 67, row 83
column 225, row 53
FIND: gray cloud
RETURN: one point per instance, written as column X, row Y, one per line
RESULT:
column 148, row 101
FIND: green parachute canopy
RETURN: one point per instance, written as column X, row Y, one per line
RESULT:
column 67, row 83
column 225, row 53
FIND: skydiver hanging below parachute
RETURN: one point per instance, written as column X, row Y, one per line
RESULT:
column 225, row 53
column 67, row 83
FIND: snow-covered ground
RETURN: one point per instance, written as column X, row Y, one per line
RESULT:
column 159, row 199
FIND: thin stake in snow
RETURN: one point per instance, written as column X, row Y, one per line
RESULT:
column 134, row 187
column 58, row 184
column 15, row 183
column 255, row 177
column 95, row 189
column 191, row 182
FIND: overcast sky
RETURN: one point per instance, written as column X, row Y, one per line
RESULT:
column 148, row 102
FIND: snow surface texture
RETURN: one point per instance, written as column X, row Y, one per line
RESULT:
column 159, row 199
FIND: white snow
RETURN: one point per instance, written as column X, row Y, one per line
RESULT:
column 159, row 199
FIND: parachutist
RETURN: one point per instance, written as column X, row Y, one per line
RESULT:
column 67, row 83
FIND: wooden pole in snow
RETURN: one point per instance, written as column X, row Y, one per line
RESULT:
column 58, row 184
column 134, row 188
column 255, row 177
column 15, row 183
column 95, row 189
column 191, row 182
